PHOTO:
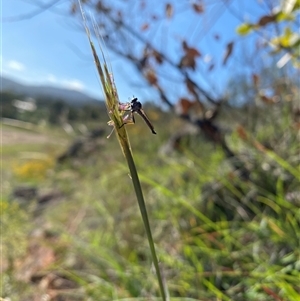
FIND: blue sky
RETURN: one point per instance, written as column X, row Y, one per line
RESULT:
column 48, row 49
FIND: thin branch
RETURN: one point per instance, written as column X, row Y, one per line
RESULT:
column 31, row 14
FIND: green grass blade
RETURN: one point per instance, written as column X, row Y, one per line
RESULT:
column 143, row 210
column 112, row 104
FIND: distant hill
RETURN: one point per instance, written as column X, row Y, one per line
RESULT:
column 71, row 97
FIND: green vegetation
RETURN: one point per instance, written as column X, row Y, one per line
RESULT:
column 224, row 210
column 218, row 237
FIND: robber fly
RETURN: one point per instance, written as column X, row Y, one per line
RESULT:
column 136, row 107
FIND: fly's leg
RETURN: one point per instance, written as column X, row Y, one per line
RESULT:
column 129, row 119
column 110, row 133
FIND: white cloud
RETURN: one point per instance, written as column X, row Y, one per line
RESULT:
column 47, row 79
column 15, row 65
column 51, row 78
column 73, row 84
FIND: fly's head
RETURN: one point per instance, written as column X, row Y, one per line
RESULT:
column 135, row 105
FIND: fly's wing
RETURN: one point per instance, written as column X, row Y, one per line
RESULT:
column 146, row 119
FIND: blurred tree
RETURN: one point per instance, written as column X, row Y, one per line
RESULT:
column 280, row 29
column 139, row 41
column 57, row 109
column 7, row 108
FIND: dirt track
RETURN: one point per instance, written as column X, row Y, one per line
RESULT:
column 16, row 136
column 18, row 132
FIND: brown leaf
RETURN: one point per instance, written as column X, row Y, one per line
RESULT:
column 229, row 49
column 193, row 52
column 242, row 132
column 198, row 8
column 269, row 100
column 157, row 57
column 263, row 21
column 102, row 8
column 187, row 62
column 191, row 87
column 259, row 146
column 169, row 10
column 272, row 293
column 145, row 26
column 266, row 99
column 190, row 51
column 184, row 105
column 144, row 59
column 255, row 79
column 73, row 8
column 151, row 77
column 296, row 125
